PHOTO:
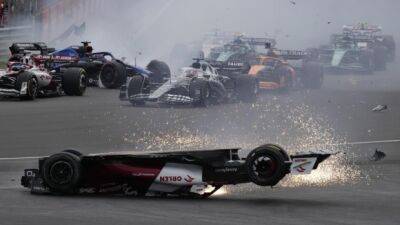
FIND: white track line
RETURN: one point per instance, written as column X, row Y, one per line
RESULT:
column 20, row 158
column 369, row 142
column 348, row 143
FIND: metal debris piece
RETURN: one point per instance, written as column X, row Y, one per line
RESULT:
column 380, row 108
column 378, row 155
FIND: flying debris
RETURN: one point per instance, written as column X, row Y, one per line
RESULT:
column 380, row 108
column 293, row 2
column 378, row 155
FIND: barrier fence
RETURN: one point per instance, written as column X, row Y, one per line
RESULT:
column 30, row 20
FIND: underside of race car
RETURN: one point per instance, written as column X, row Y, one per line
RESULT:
column 182, row 173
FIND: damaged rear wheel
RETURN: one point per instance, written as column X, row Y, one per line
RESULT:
column 62, row 172
column 266, row 165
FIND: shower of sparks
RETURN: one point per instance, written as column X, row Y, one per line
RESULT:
column 297, row 128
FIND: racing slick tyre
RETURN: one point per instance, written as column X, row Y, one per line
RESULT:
column 313, row 76
column 367, row 60
column 135, row 87
column 32, row 85
column 200, row 92
column 266, row 165
column 74, row 81
column 390, row 44
column 282, row 151
column 62, row 172
column 72, row 151
column 284, row 76
column 160, row 71
column 112, row 74
column 380, row 58
column 246, row 88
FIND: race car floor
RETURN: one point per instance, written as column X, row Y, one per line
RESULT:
column 350, row 189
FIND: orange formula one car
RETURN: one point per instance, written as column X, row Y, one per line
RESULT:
column 286, row 69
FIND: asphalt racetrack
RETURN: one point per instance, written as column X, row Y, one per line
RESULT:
column 347, row 189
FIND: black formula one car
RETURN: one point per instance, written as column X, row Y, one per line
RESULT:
column 199, row 85
column 183, row 173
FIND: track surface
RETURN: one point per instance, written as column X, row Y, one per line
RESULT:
column 99, row 122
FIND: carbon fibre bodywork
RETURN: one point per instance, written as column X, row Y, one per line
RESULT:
column 182, row 173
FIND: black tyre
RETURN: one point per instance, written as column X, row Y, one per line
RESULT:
column 74, row 81
column 135, row 87
column 283, row 76
column 27, row 80
column 380, row 58
column 390, row 44
column 313, row 75
column 62, row 172
column 280, row 149
column 246, row 88
column 200, row 91
column 113, row 74
column 72, row 151
column 266, row 165
column 160, row 71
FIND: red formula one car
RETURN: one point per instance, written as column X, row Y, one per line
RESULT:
column 183, row 173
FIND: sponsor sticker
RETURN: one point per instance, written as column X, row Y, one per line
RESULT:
column 302, row 165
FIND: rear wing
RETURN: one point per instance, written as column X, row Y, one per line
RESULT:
column 361, row 28
column 291, row 54
column 26, row 47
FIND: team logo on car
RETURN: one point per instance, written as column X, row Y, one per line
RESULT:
column 170, row 178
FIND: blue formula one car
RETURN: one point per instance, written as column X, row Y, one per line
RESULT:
column 102, row 68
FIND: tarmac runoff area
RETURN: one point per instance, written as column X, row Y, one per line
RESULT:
column 350, row 188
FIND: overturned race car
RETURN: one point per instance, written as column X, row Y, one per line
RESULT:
column 181, row 173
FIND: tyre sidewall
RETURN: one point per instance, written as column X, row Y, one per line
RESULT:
column 75, row 163
column 272, row 153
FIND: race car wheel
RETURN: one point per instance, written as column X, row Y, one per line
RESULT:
column 367, row 60
column 313, row 75
column 380, row 58
column 390, row 44
column 113, row 74
column 74, row 81
column 62, row 172
column 283, row 75
column 135, row 87
column 200, row 92
column 246, row 88
column 160, row 71
column 32, row 85
column 266, row 165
